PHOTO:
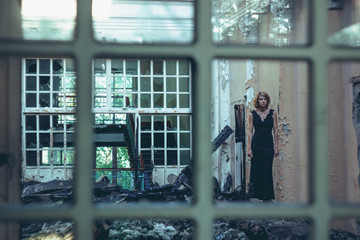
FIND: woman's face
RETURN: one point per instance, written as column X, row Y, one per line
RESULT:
column 262, row 101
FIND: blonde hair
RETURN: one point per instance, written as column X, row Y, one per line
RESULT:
column 256, row 99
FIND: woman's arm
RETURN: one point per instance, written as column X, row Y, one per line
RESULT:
column 250, row 134
column 275, row 129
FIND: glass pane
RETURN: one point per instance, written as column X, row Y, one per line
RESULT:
column 44, row 122
column 145, row 67
column 58, row 66
column 31, row 140
column 145, row 85
column 343, row 23
column 184, row 123
column 158, row 67
column 146, row 140
column 159, row 140
column 70, row 100
column 183, row 67
column 31, row 83
column 159, row 157
column 145, row 123
column 117, row 83
column 185, row 157
column 171, row 140
column 158, row 84
column 30, row 122
column 171, row 157
column 145, row 100
column 185, row 140
column 48, row 20
column 171, row 100
column 58, row 157
column 31, row 100
column 45, row 157
column 100, row 84
column 100, row 100
column 171, row 84
column 44, row 100
column 44, row 83
column 58, row 100
column 158, row 100
column 44, row 66
column 143, row 22
column 70, row 84
column 44, row 140
column 117, row 101
column 57, row 124
column 31, row 66
column 58, row 83
column 158, row 123
column 184, row 100
column 171, row 67
column 171, row 123
column 70, row 157
column 131, row 67
column 31, row 159
column 276, row 23
column 184, row 85
column 117, row 66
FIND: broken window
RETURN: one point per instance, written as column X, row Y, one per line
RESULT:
column 142, row 105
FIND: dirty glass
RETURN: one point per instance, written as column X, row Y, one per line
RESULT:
column 260, row 22
column 235, row 84
column 143, row 22
column 49, row 229
column 299, row 228
column 344, row 131
column 48, row 20
column 343, row 23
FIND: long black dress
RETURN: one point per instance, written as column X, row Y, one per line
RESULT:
column 262, row 146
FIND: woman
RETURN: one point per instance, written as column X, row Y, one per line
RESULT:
column 262, row 147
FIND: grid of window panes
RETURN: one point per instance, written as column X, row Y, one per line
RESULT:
column 166, row 139
column 48, row 112
column 127, row 83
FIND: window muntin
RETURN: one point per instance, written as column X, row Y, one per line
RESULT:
column 166, row 139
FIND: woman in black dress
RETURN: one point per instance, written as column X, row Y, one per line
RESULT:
column 262, row 147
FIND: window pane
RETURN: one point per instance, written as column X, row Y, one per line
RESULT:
column 159, row 140
column 171, row 100
column 184, row 100
column 131, row 67
column 58, row 83
column 44, row 100
column 58, row 66
column 158, row 67
column 145, row 85
column 184, row 123
column 158, row 123
column 171, row 84
column 44, row 122
column 58, row 100
column 185, row 140
column 31, row 66
column 158, row 100
column 31, row 140
column 45, row 157
column 31, row 159
column 143, row 22
column 145, row 100
column 117, row 67
column 31, row 100
column 158, row 84
column 117, row 101
column 30, row 122
column 31, row 83
column 145, row 123
column 44, row 83
column 171, row 140
column 171, row 157
column 44, row 66
column 58, row 157
column 146, row 140
column 184, row 85
column 171, row 123
column 276, row 23
column 159, row 157
column 183, row 67
column 70, row 157
column 170, row 67
column 185, row 157
column 145, row 67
